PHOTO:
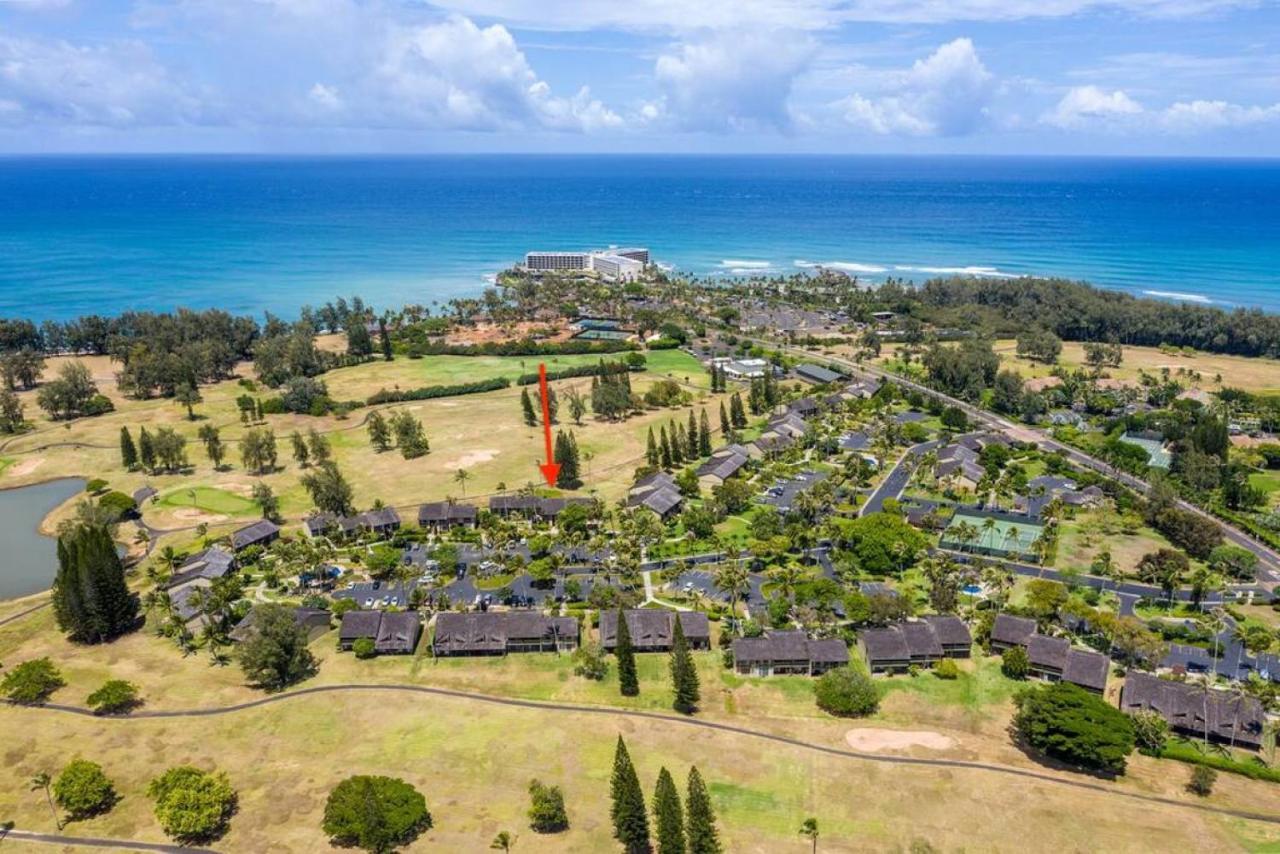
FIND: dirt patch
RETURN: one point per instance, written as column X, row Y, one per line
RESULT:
column 552, row 329
column 871, row 740
column 474, row 458
column 196, row 515
column 25, row 467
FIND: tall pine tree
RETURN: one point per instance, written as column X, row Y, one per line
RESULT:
column 526, row 406
column 651, row 450
column 91, row 601
column 384, row 339
column 146, row 450
column 726, row 431
column 700, row 820
column 664, row 448
column 737, row 415
column 128, row 451
column 566, row 454
column 679, row 443
column 684, row 674
column 668, row 816
column 704, row 435
column 630, row 823
column 628, row 682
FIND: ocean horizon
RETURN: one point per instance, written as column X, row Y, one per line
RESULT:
column 250, row 233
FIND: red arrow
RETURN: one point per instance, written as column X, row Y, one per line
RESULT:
column 551, row 468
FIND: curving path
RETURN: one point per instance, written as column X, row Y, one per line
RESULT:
column 1024, row 773
column 97, row 842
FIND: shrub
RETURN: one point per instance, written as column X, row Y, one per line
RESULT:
column 546, row 808
column 364, row 648
column 119, row 505
column 947, row 669
column 192, row 805
column 95, row 486
column 1150, row 731
column 375, row 813
column 83, row 790
column 589, row 662
column 1014, row 663
column 1068, row 723
column 1202, row 780
column 31, row 682
column 116, row 696
column 845, row 692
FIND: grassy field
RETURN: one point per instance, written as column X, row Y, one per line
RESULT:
column 472, row 760
column 1081, row 539
column 1256, row 375
column 483, row 434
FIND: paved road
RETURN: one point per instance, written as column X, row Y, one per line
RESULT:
column 1079, row 783
column 898, row 477
column 1269, row 566
column 96, row 842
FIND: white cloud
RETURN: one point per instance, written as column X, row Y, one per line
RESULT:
column 1085, row 106
column 118, row 85
column 1196, row 116
column 945, row 94
column 1092, row 108
column 731, row 81
column 460, row 76
column 681, row 16
column 325, row 97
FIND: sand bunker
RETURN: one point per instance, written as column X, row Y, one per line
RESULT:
column 871, row 740
column 196, row 515
column 25, row 467
column 471, row 459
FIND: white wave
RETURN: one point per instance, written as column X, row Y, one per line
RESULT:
column 491, row 278
column 736, row 264
column 994, row 272
column 843, row 266
column 1179, row 296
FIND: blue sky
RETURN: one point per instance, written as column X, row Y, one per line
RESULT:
column 1155, row 77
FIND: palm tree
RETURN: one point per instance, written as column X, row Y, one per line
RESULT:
column 786, row 578
column 169, row 556
column 988, row 530
column 731, row 577
column 44, row 781
column 460, row 477
column 503, row 841
column 809, row 830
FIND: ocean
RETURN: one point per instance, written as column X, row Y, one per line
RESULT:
column 254, row 234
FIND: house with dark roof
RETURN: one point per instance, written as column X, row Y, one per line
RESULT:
column 383, row 521
column 1009, row 631
column 885, row 650
column 263, row 532
column 1049, row 658
column 398, row 633
column 855, row 442
column 313, row 621
column 817, row 374
column 770, row 444
column 1087, row 669
column 356, row 625
column 788, row 652
column 1198, row 711
column 499, row 633
column 506, row 505
column 442, row 515
column 804, row 407
column 923, row 643
column 723, row 464
column 788, row 424
column 392, row 632
column 653, row 629
column 319, row 524
column 953, row 635
column 657, row 492
column 210, row 564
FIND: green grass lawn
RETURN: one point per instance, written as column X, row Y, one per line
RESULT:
column 1267, row 481
column 979, row 686
column 209, row 499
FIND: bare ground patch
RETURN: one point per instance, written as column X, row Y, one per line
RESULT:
column 876, row 740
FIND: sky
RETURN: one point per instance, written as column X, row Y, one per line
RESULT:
column 1088, row 77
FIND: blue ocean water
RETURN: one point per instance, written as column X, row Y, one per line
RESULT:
column 262, row 233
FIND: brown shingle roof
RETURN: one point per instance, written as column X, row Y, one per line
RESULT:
column 652, row 628
column 1009, row 629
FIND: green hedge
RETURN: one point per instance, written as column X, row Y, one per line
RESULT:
column 1182, row 750
column 433, row 391
column 524, row 347
column 580, row 371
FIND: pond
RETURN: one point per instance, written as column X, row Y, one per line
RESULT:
column 30, row 558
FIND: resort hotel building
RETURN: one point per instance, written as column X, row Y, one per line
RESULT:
column 613, row 264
